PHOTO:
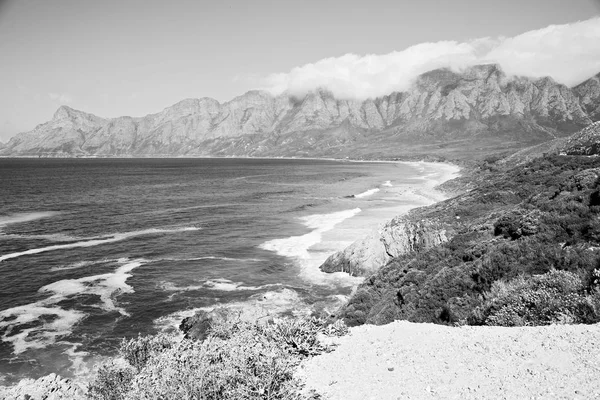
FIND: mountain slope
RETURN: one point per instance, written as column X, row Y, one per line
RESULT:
column 441, row 113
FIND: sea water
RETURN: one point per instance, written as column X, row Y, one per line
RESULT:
column 95, row 250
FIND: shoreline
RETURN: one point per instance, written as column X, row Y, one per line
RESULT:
column 223, row 158
column 424, row 193
column 283, row 300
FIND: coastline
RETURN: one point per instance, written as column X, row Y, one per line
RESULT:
column 421, row 192
column 328, row 234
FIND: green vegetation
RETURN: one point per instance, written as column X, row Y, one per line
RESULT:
column 238, row 360
column 525, row 250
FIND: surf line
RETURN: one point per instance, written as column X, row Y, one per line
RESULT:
column 95, row 242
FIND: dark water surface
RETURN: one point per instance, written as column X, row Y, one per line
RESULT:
column 93, row 250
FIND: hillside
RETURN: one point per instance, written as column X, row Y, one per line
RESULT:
column 444, row 114
column 520, row 248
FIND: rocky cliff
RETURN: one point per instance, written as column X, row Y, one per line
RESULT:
column 443, row 109
column 399, row 236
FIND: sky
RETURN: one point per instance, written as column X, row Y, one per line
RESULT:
column 135, row 57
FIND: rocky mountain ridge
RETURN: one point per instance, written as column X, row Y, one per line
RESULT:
column 480, row 106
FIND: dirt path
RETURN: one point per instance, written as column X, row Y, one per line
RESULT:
column 404, row 360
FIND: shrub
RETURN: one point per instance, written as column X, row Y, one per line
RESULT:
column 238, row 360
column 556, row 297
column 297, row 336
column 111, row 382
column 138, row 351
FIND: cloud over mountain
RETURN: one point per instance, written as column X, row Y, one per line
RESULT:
column 569, row 53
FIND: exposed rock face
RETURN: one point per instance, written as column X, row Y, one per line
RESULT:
column 589, row 95
column 442, row 106
column 198, row 325
column 49, row 387
column 396, row 237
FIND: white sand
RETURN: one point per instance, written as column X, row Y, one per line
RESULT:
column 404, row 360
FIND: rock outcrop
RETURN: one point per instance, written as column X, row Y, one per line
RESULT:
column 394, row 238
column 443, row 108
column 49, row 387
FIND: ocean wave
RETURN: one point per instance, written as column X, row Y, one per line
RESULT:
column 368, row 193
column 298, row 249
column 24, row 217
column 297, row 246
column 96, row 241
column 218, row 258
column 221, row 284
column 52, row 237
column 50, row 321
column 387, row 184
column 82, row 264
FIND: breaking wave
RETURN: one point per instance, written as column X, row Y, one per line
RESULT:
column 39, row 324
column 96, row 241
column 224, row 285
column 24, row 217
column 368, row 193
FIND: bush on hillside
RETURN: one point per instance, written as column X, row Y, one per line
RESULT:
column 557, row 297
column 138, row 351
column 112, row 381
column 521, row 222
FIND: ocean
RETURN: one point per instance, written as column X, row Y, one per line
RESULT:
column 96, row 250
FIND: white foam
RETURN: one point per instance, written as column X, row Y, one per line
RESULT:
column 224, row 285
column 53, row 237
column 298, row 248
column 24, row 217
column 96, row 241
column 217, row 258
column 387, row 184
column 82, row 264
column 106, row 286
column 41, row 336
column 368, row 193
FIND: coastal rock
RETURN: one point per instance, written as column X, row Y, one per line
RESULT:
column 396, row 237
column 442, row 107
column 49, row 387
column 197, row 326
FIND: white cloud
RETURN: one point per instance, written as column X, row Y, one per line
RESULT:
column 569, row 53
column 61, row 98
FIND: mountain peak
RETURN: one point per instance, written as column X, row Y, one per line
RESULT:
column 63, row 112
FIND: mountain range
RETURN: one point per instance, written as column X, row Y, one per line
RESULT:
column 445, row 113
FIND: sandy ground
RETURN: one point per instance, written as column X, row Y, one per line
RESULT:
column 404, row 360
